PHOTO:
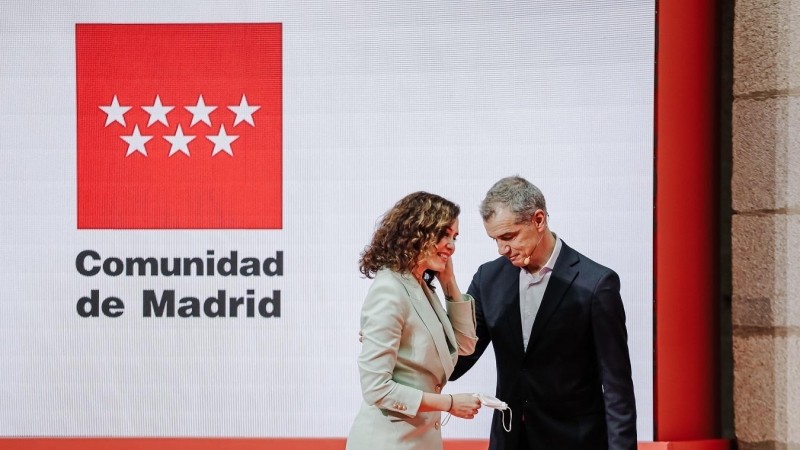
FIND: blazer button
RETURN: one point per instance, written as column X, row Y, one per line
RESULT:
column 438, row 388
column 436, row 425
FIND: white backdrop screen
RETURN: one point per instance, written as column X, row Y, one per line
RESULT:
column 276, row 134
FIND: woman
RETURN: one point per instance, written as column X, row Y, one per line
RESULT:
column 410, row 343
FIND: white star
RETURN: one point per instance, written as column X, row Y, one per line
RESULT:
column 158, row 112
column 222, row 142
column 200, row 112
column 114, row 112
column 244, row 112
column 136, row 142
column 179, row 142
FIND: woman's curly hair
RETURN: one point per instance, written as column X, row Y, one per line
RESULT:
column 407, row 233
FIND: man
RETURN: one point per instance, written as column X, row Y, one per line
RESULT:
column 558, row 326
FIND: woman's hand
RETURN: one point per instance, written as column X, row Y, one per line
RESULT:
column 447, row 274
column 465, row 406
column 447, row 280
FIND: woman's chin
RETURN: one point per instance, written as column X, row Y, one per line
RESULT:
column 437, row 267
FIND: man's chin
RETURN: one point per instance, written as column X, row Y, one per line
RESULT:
column 516, row 262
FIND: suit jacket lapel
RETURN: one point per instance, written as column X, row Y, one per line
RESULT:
column 425, row 311
column 508, row 282
column 564, row 273
column 446, row 325
column 450, row 334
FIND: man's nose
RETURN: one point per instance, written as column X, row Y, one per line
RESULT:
column 502, row 248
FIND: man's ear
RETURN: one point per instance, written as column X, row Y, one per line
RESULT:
column 539, row 218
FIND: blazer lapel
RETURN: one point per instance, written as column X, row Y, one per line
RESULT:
column 509, row 312
column 425, row 311
column 564, row 273
column 449, row 333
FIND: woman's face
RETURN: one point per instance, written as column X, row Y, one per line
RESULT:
column 443, row 250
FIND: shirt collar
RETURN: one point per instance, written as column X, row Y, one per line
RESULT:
column 534, row 278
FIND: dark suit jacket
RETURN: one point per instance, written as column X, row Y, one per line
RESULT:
column 573, row 383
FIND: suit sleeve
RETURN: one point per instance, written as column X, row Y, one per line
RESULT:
column 382, row 319
column 462, row 317
column 481, row 331
column 611, row 343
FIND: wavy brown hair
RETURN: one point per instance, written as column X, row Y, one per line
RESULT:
column 407, row 233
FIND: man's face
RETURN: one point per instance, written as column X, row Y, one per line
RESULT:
column 514, row 240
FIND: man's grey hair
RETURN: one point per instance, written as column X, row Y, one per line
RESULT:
column 518, row 195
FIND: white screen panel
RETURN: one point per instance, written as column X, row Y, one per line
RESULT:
column 379, row 100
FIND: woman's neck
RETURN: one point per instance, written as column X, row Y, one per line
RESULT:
column 417, row 274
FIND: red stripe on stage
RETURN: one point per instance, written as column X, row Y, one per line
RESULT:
column 199, row 444
column 279, row 444
column 714, row 444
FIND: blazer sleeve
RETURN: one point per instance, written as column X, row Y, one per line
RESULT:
column 462, row 317
column 611, row 343
column 382, row 319
column 466, row 362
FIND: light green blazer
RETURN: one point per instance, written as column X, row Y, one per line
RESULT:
column 410, row 346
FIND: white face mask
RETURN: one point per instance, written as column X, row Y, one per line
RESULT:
column 496, row 403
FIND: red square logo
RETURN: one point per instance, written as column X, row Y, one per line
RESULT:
column 179, row 126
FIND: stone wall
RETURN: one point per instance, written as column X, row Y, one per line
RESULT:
column 765, row 230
